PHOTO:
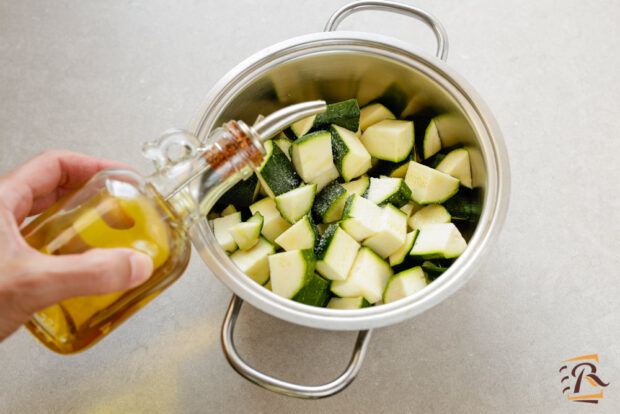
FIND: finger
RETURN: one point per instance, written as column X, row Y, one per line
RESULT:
column 40, row 204
column 97, row 271
column 43, row 174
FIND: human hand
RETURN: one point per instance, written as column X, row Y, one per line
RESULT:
column 30, row 280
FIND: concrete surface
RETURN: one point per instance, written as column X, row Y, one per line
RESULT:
column 102, row 77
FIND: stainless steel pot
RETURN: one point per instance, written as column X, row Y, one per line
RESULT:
column 337, row 65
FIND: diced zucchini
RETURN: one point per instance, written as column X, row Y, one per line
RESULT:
column 221, row 230
column 303, row 126
column 246, row 234
column 358, row 186
column 389, row 190
column 325, row 177
column 254, row 262
column 432, row 270
column 296, row 203
column 399, row 255
column 429, row 185
column 404, row 284
column 433, row 213
column 302, row 235
column 358, row 302
column 229, row 210
column 314, row 293
column 241, row 195
column 284, row 143
column 367, row 277
column 276, row 174
column 350, row 156
column 456, row 163
column 392, row 232
column 432, row 140
column 389, row 140
column 371, row 114
column 291, row 271
column 441, row 240
column 268, row 285
column 273, row 223
column 335, row 253
column 465, row 205
column 345, row 114
column 312, row 154
column 361, row 218
column 329, row 203
column 410, row 208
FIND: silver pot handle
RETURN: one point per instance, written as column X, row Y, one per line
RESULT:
column 429, row 19
column 278, row 385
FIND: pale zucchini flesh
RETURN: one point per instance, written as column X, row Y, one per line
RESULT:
column 429, row 186
column 392, row 232
column 325, row 177
column 358, row 186
column 221, row 230
column 433, row 213
column 441, row 240
column 373, row 113
column 456, row 164
column 348, row 303
column 291, row 271
column 390, row 140
column 312, row 154
column 273, row 223
column 300, row 236
column 432, row 140
column 390, row 190
column 350, row 156
column 254, row 262
column 361, row 218
column 335, row 253
column 246, row 234
column 296, row 203
column 404, row 283
column 367, row 277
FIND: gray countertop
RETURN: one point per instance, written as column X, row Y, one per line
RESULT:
column 102, row 77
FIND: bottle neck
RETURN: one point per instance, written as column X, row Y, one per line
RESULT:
column 194, row 182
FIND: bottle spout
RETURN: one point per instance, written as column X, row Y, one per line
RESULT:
column 268, row 127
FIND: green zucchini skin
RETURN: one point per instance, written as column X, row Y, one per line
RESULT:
column 325, row 199
column 323, row 245
column 339, row 149
column 279, row 173
column 315, row 292
column 345, row 114
column 240, row 195
column 465, row 205
column 432, row 270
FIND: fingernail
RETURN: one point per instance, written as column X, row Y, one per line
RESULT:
column 141, row 268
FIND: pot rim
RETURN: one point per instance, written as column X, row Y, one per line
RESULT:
column 492, row 148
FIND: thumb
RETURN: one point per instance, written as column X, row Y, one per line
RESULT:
column 95, row 272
